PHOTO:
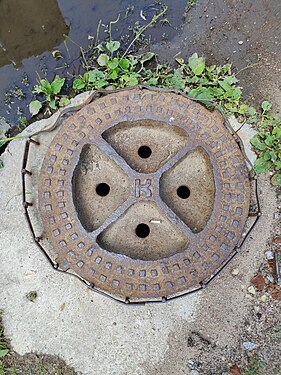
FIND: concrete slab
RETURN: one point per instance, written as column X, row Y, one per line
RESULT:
column 246, row 132
column 92, row 333
column 4, row 126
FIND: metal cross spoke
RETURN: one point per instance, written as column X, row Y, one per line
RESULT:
column 105, row 147
column 114, row 216
column 174, row 219
column 179, row 155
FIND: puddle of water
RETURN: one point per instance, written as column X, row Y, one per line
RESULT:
column 30, row 31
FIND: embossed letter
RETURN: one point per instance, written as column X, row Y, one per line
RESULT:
column 143, row 188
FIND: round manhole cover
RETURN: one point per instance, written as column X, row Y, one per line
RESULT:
column 143, row 194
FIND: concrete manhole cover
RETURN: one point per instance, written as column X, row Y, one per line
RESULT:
column 143, row 194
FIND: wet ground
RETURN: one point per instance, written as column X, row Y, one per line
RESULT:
column 30, row 31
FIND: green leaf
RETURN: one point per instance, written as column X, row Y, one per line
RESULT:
column 255, row 141
column 266, row 106
column 277, row 132
column 112, row 46
column 100, row 83
column 38, row 89
column 133, row 60
column 64, row 101
column 130, row 80
column 277, row 165
column 114, row 74
column 202, row 93
column 276, row 179
column 210, row 68
column 196, row 64
column 236, row 93
column 266, row 156
column 273, row 156
column 152, row 81
column 103, row 59
column 147, row 56
column 261, row 165
column 4, row 352
column 52, row 104
column 57, row 84
column 225, row 85
column 176, row 80
column 193, row 79
column 243, row 109
column 133, row 81
column 230, row 80
column 34, row 107
column 95, row 75
column 251, row 111
column 124, row 64
column 269, row 140
column 86, row 77
column 78, row 84
column 44, row 87
column 101, row 48
column 112, row 64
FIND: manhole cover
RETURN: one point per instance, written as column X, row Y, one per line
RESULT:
column 143, row 194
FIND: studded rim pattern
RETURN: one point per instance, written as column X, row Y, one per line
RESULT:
column 117, row 274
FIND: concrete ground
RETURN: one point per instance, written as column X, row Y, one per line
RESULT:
column 222, row 328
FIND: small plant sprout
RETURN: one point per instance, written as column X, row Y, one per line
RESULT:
column 51, row 93
column 31, row 296
column 267, row 144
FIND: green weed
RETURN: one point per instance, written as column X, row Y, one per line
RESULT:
column 4, row 349
column 276, row 333
column 256, row 367
column 50, row 91
column 41, row 369
column 267, row 144
column 31, row 296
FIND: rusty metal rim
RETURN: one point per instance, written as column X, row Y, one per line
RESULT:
column 91, row 286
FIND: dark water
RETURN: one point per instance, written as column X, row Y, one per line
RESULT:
column 31, row 29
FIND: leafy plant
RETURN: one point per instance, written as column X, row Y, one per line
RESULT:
column 110, row 71
column 31, row 296
column 51, row 91
column 256, row 367
column 41, row 369
column 4, row 349
column 267, row 144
